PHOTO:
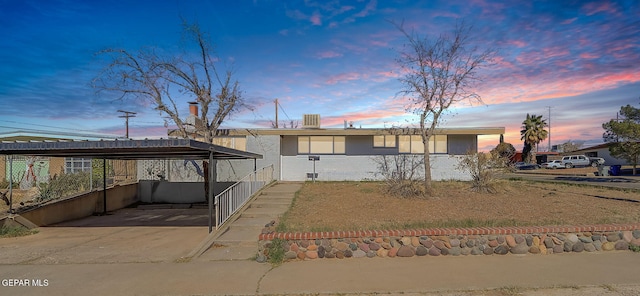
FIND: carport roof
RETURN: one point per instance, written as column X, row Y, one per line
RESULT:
column 125, row 149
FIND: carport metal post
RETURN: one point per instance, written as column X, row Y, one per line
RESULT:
column 212, row 175
column 11, row 184
column 254, row 176
column 104, row 186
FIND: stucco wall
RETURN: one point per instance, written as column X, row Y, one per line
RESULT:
column 267, row 146
column 82, row 206
column 357, row 168
column 176, row 192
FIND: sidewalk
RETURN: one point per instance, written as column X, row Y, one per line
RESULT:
column 239, row 239
column 611, row 273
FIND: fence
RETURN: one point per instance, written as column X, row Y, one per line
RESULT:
column 27, row 181
column 234, row 197
column 172, row 170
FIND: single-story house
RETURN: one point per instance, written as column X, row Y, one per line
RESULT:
column 602, row 151
column 345, row 154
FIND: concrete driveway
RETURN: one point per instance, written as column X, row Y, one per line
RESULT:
column 130, row 235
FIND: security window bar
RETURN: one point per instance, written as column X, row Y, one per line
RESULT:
column 76, row 165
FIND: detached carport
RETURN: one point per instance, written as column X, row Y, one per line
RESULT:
column 132, row 150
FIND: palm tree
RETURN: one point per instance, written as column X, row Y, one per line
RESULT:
column 533, row 133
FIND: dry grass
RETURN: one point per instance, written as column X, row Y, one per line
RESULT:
column 334, row 206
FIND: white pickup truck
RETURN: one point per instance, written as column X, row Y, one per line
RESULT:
column 571, row 161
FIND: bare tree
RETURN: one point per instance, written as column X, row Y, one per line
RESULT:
column 147, row 75
column 484, row 168
column 400, row 173
column 570, row 146
column 439, row 72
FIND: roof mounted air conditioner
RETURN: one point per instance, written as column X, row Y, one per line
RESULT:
column 311, row 121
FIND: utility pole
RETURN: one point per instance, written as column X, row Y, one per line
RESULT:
column 276, row 101
column 549, row 123
column 126, row 116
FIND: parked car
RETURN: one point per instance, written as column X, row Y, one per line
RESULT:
column 521, row 165
column 596, row 161
column 571, row 161
column 556, row 164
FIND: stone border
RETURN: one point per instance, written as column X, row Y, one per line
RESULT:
column 452, row 241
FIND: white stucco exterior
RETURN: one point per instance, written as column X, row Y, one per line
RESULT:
column 359, row 168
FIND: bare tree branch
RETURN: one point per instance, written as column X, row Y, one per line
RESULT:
column 148, row 76
column 440, row 72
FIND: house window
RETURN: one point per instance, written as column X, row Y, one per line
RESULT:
column 413, row 144
column 321, row 145
column 440, row 144
column 384, row 141
column 76, row 165
column 238, row 143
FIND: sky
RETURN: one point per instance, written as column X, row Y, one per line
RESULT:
column 573, row 62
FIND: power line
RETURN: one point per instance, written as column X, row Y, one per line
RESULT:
column 285, row 113
column 42, row 125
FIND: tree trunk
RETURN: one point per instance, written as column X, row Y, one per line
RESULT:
column 427, row 167
column 533, row 154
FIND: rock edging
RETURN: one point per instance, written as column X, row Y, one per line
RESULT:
column 452, row 241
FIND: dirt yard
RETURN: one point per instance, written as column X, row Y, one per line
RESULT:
column 333, row 206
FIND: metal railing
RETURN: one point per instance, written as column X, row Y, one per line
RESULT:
column 233, row 198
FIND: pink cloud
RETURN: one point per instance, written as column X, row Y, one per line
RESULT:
column 379, row 43
column 517, row 43
column 490, row 9
column 517, row 88
column 343, row 77
column 371, row 6
column 315, row 19
column 344, row 9
column 388, row 74
column 599, row 6
column 537, row 57
column 328, row 54
column 362, row 118
column 588, row 55
column 550, row 52
column 504, row 64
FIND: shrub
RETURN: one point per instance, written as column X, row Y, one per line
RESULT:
column 276, row 251
column 401, row 174
column 63, row 185
column 15, row 231
column 483, row 168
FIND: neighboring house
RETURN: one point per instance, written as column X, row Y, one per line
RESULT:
column 344, row 153
column 601, row 150
column 40, row 169
column 541, row 156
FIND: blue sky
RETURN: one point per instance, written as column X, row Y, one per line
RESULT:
column 334, row 58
